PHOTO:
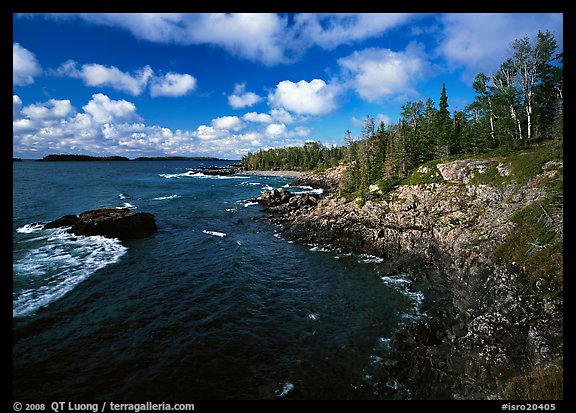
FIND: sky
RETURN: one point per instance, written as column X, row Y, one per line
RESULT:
column 223, row 85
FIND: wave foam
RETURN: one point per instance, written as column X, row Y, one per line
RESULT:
column 215, row 233
column 30, row 228
column 286, row 388
column 162, row 198
column 58, row 266
column 402, row 283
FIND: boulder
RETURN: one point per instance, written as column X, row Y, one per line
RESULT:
column 120, row 223
column 65, row 221
column 275, row 197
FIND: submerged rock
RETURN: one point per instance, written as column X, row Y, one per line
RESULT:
column 120, row 223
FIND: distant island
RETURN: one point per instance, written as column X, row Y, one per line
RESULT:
column 84, row 158
column 81, row 158
column 178, row 158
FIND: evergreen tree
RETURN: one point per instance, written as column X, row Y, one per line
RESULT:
column 443, row 126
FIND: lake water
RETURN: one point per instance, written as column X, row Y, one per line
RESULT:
column 215, row 305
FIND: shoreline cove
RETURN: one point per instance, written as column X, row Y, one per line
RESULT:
column 484, row 324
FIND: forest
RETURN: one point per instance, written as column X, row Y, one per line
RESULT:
column 519, row 105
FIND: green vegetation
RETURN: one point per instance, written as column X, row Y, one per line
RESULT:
column 518, row 107
column 312, row 156
column 539, row 384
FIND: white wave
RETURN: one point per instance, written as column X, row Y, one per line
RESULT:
column 286, row 388
column 320, row 248
column 170, row 176
column 162, row 198
column 370, row 259
column 305, row 189
column 215, row 233
column 231, row 210
column 313, row 317
column 250, row 203
column 402, row 283
column 385, row 341
column 129, row 205
column 396, row 280
column 58, row 266
column 267, row 188
column 30, row 228
column 122, row 196
column 199, row 175
column 250, row 183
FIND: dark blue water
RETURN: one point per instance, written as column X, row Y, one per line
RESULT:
column 213, row 306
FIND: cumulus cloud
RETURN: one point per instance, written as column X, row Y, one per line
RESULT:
column 241, row 99
column 276, row 129
column 172, row 84
column 135, row 83
column 379, row 73
column 108, row 126
column 103, row 109
column 304, row 98
column 258, row 117
column 53, row 109
column 25, row 66
column 228, row 123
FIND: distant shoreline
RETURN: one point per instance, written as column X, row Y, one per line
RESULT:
column 89, row 158
column 287, row 174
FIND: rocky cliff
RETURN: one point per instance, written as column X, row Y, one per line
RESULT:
column 493, row 313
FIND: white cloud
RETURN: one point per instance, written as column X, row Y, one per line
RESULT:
column 105, row 110
column 106, row 126
column 268, row 38
column 276, row 129
column 135, row 83
column 241, row 99
column 305, row 98
column 24, row 66
column 54, row 109
column 380, row 117
column 172, row 84
column 228, row 123
column 300, row 131
column 252, row 36
column 99, row 75
column 379, row 73
column 282, row 115
column 257, row 117
column 16, row 106
column 329, row 30
column 480, row 42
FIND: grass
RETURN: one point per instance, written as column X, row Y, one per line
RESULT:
column 539, row 384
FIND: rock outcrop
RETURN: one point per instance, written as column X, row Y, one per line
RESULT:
column 486, row 320
column 121, row 223
column 285, row 202
column 328, row 180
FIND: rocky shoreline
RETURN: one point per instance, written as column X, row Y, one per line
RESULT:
column 487, row 321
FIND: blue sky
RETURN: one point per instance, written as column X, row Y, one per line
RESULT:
column 196, row 84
